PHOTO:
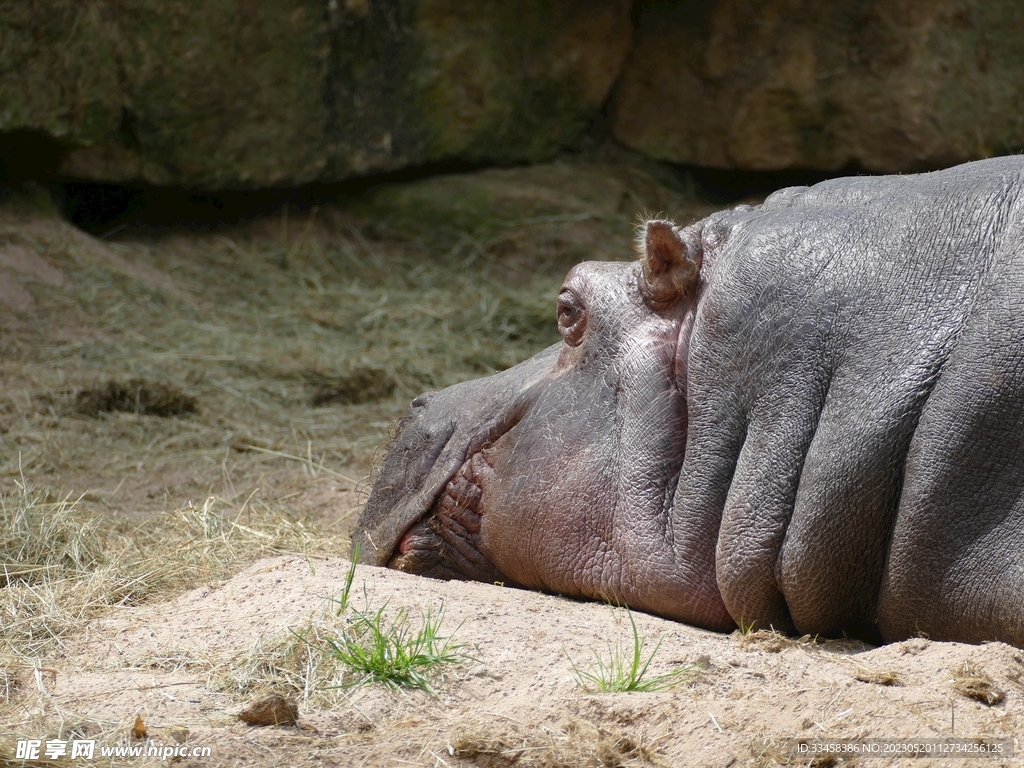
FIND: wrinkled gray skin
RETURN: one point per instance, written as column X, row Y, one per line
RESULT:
column 807, row 415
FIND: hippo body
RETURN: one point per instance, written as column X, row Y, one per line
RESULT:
column 807, row 415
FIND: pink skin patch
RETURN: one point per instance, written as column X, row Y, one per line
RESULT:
column 405, row 544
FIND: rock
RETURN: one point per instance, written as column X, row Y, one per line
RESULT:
column 780, row 84
column 271, row 710
column 239, row 94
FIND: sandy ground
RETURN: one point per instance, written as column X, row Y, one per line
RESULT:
column 517, row 701
column 186, row 666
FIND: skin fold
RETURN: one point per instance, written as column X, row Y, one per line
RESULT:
column 807, row 414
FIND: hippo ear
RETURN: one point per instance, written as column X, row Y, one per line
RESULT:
column 671, row 264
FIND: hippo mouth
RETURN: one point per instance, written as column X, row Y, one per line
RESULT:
column 445, row 542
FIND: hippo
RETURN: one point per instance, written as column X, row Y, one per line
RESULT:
column 805, row 415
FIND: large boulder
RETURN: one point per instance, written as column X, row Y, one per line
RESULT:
column 886, row 85
column 237, row 93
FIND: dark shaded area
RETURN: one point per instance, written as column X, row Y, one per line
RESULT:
column 27, row 156
column 371, row 54
column 111, row 209
column 720, row 186
column 145, row 398
column 360, row 385
column 96, row 207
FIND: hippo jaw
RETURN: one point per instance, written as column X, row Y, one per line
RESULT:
column 569, row 488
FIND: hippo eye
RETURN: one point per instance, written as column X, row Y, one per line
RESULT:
column 572, row 318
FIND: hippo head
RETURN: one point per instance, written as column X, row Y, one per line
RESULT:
column 558, row 474
column 843, row 368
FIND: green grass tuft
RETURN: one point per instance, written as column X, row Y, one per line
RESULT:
column 626, row 671
column 396, row 651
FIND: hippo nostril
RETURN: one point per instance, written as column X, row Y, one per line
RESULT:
column 422, row 400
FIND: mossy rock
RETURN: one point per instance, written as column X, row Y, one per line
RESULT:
column 231, row 94
column 871, row 84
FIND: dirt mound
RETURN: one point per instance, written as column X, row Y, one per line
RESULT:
column 515, row 699
column 138, row 396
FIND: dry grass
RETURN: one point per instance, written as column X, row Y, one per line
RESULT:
column 63, row 566
column 772, row 751
column 575, row 743
column 302, row 334
column 769, row 640
column 883, row 677
column 974, row 682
